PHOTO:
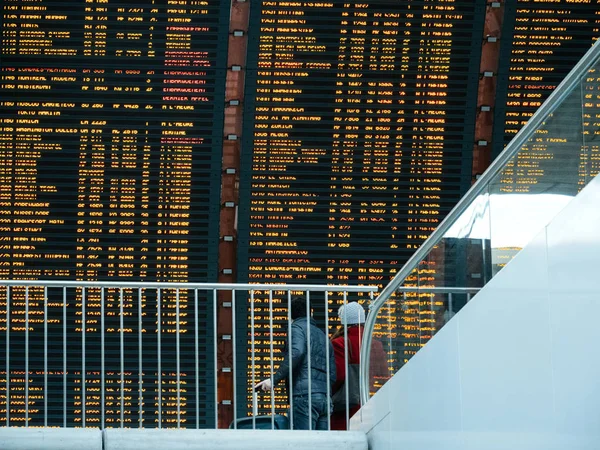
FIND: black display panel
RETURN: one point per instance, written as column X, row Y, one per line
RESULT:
column 541, row 42
column 358, row 138
column 110, row 142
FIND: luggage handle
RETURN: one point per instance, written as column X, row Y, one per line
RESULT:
column 255, row 402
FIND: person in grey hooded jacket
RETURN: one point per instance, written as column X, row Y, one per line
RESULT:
column 320, row 403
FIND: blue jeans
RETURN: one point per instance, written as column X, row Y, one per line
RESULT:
column 319, row 412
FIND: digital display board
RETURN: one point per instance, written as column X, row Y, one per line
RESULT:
column 591, row 125
column 110, row 142
column 358, row 138
column 541, row 42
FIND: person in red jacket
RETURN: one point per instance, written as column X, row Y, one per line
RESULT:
column 352, row 315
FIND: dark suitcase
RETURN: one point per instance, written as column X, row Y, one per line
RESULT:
column 262, row 423
column 277, row 422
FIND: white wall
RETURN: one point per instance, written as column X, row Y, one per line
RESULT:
column 173, row 439
column 154, row 439
column 50, row 438
column 519, row 367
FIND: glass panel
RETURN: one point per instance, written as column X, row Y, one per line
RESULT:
column 560, row 157
column 415, row 313
column 538, row 182
column 461, row 259
column 383, row 361
column 591, row 122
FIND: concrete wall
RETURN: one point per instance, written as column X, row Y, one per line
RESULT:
column 153, row 439
column 518, row 367
column 50, row 439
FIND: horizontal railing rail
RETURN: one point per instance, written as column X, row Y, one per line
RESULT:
column 548, row 107
column 199, row 286
column 450, row 291
column 439, row 290
column 50, row 325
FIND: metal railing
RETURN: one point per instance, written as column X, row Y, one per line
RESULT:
column 51, row 324
column 563, row 91
column 468, row 291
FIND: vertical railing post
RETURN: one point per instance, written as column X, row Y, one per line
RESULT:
column 271, row 355
column 234, row 369
column 328, row 369
column 177, row 358
column 65, row 358
column 122, row 354
column 290, row 374
column 45, row 356
column 140, row 362
column 83, row 369
column 8, row 298
column 102, row 363
column 252, row 352
column 159, row 355
column 215, row 364
column 26, row 356
column 308, row 357
column 196, row 358
column 346, row 343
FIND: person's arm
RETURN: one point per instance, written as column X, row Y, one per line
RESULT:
column 298, row 345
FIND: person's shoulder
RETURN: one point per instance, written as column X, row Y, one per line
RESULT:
column 338, row 341
column 299, row 324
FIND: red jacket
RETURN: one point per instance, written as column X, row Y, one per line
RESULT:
column 378, row 366
column 355, row 337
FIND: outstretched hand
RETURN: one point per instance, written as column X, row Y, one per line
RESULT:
column 264, row 385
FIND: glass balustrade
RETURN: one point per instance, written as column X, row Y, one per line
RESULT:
column 541, row 170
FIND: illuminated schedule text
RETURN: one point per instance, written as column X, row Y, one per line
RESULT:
column 358, row 143
column 109, row 141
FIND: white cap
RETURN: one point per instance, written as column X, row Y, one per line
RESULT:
column 351, row 314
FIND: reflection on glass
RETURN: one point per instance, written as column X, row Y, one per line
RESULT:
column 590, row 86
column 415, row 314
column 537, row 182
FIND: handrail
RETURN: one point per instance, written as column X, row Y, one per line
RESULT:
column 548, row 107
column 440, row 290
column 179, row 285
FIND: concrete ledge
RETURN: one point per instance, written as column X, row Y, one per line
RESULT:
column 136, row 439
column 50, row 439
column 460, row 440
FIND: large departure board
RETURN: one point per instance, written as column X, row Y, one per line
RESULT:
column 541, row 42
column 358, row 138
column 110, row 143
